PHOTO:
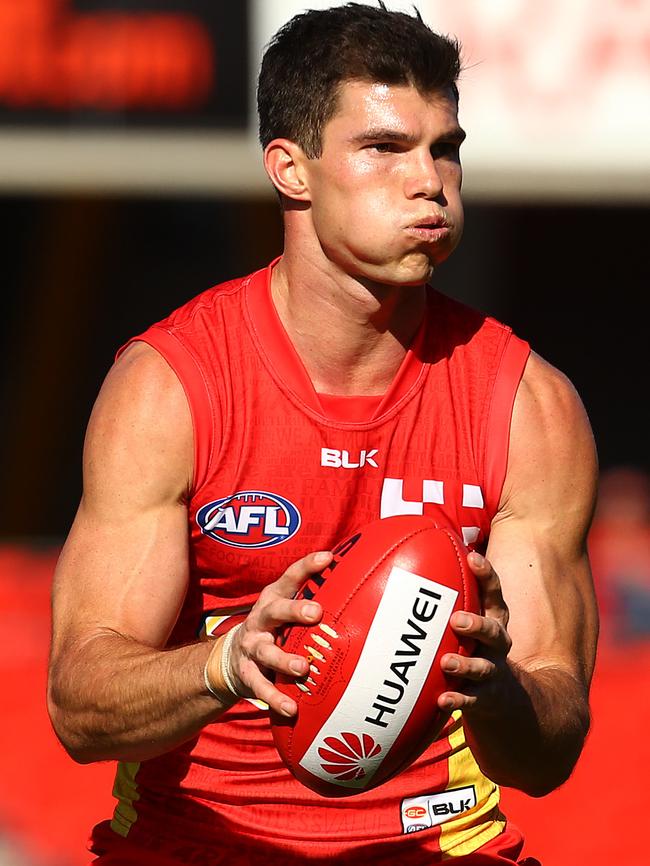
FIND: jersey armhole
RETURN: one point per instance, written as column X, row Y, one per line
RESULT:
column 198, row 397
column 497, row 432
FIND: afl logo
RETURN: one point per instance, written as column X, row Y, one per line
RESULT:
column 250, row 518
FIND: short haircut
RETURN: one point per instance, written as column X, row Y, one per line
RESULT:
column 314, row 53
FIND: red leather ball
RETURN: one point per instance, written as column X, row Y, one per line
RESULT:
column 368, row 707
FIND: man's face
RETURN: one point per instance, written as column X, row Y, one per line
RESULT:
column 385, row 192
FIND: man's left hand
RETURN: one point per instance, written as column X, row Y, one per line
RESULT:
column 490, row 631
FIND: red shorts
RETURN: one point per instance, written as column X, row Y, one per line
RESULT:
column 501, row 851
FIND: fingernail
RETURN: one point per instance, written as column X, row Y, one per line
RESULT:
column 309, row 611
column 477, row 559
column 297, row 666
column 449, row 705
column 286, row 708
column 462, row 621
column 322, row 557
column 452, row 665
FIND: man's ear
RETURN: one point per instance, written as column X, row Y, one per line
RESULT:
column 284, row 162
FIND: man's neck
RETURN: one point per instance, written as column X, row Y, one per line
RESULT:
column 351, row 337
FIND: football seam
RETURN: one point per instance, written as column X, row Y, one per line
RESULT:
column 463, row 571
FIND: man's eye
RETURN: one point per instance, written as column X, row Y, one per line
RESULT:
column 384, row 147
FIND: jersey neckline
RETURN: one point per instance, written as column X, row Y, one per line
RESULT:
column 292, row 376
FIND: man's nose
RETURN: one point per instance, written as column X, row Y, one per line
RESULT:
column 423, row 179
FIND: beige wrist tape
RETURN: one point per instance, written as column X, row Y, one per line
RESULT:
column 224, row 666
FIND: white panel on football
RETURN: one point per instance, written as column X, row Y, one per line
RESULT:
column 397, row 655
column 472, row 496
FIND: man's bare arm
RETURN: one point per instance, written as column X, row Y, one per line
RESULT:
column 526, row 708
column 114, row 691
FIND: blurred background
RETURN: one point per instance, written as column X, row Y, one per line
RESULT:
column 131, row 180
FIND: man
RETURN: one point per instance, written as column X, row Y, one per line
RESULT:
column 234, row 443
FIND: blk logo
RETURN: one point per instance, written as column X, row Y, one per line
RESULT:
column 342, row 460
column 251, row 518
column 430, row 810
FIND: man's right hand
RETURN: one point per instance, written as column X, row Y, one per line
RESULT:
column 254, row 652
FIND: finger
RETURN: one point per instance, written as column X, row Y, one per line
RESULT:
column 486, row 629
column 451, row 701
column 293, row 578
column 474, row 668
column 252, row 668
column 284, row 610
column 489, row 586
column 276, row 603
column 272, row 657
column 264, row 690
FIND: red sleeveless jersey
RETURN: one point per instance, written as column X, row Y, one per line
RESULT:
column 281, row 471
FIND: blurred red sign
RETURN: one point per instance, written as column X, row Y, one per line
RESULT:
column 143, row 59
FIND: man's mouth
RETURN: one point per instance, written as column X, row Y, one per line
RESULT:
column 432, row 222
column 430, row 229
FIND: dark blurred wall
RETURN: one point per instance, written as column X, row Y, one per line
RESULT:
column 575, row 282
column 81, row 276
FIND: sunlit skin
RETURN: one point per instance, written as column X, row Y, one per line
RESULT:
column 385, row 192
column 366, row 224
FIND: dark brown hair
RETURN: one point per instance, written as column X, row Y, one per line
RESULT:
column 309, row 58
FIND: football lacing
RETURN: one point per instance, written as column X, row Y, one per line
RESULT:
column 313, row 653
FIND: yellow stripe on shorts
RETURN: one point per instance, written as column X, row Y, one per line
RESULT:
column 474, row 828
column 125, row 790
